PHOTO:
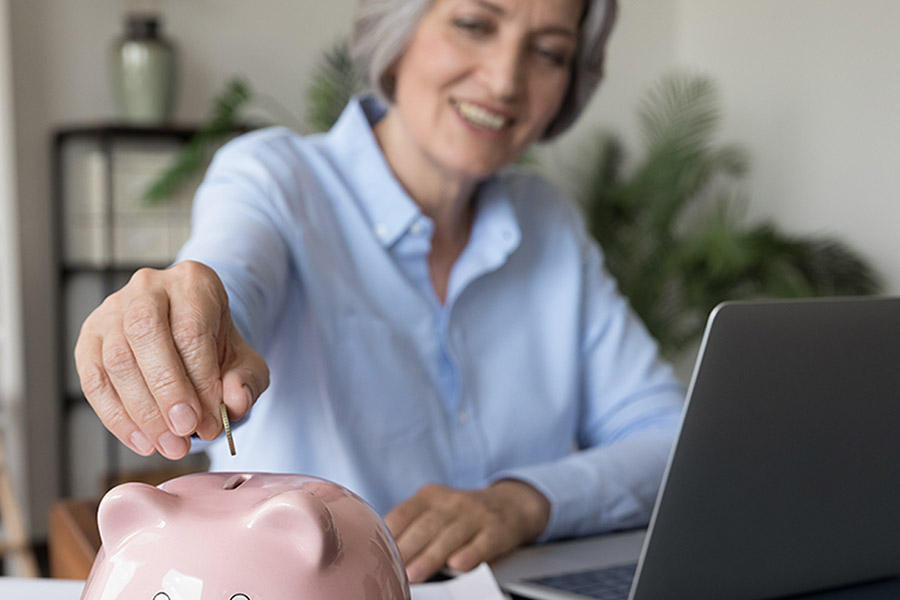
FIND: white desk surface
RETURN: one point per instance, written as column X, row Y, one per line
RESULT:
column 13, row 588
column 479, row 583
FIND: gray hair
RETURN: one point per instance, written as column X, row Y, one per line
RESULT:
column 382, row 29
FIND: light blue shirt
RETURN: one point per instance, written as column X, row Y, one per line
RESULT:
column 534, row 368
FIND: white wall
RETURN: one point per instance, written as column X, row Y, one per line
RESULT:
column 11, row 371
column 810, row 87
column 10, row 380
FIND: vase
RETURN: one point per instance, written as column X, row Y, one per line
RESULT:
column 143, row 72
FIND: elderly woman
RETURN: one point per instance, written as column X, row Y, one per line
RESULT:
column 441, row 335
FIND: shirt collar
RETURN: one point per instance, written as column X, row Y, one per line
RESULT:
column 390, row 211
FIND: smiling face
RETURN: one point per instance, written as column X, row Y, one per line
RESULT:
column 479, row 82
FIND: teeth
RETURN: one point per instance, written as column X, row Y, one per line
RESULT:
column 480, row 116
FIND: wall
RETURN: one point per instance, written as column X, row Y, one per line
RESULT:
column 9, row 240
column 809, row 87
column 11, row 368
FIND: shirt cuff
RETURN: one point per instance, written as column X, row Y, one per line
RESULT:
column 599, row 489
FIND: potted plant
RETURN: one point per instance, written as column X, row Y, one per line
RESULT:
column 671, row 226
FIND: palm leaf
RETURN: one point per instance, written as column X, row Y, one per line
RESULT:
column 193, row 156
column 335, row 81
column 669, row 228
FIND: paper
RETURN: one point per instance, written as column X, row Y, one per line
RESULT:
column 476, row 584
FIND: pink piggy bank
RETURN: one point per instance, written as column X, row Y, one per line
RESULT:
column 243, row 536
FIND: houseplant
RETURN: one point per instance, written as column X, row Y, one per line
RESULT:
column 671, row 225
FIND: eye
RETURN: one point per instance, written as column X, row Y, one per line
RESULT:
column 240, row 597
column 552, row 56
column 473, row 27
column 161, row 596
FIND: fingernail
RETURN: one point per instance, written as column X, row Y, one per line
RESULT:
column 414, row 574
column 172, row 445
column 249, row 396
column 183, row 419
column 212, row 424
column 141, row 443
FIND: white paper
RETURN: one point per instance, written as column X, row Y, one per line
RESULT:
column 478, row 584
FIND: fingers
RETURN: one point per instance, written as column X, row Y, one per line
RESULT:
column 221, row 366
column 441, row 526
column 158, row 357
column 482, row 547
column 436, row 551
column 141, row 407
column 104, row 399
column 415, row 524
column 429, row 522
column 157, row 367
column 437, row 523
column 199, row 330
column 401, row 516
column 245, row 376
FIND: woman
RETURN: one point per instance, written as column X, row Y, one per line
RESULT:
column 441, row 335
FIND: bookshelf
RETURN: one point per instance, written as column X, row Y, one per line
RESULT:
column 104, row 232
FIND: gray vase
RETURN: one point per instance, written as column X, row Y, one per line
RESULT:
column 143, row 73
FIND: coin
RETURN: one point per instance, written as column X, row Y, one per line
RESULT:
column 227, row 424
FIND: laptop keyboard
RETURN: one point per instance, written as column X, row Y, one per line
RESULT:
column 609, row 583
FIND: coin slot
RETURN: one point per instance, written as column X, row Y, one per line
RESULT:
column 236, row 481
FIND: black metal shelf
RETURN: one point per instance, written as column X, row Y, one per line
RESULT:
column 124, row 131
column 116, row 269
column 107, row 138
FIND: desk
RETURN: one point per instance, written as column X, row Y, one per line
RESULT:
column 12, row 588
column 478, row 584
column 73, row 538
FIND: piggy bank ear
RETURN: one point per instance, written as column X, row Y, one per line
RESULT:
column 305, row 520
column 130, row 507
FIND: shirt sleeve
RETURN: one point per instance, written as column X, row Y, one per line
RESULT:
column 237, row 230
column 631, row 409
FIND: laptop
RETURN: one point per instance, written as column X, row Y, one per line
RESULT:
column 785, row 479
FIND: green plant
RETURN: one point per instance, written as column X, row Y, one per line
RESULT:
column 669, row 230
column 224, row 121
column 334, row 82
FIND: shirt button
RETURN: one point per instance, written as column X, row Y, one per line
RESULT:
column 462, row 417
column 381, row 231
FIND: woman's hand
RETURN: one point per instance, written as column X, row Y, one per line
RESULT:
column 441, row 526
column 158, row 357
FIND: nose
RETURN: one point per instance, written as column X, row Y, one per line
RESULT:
column 504, row 71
